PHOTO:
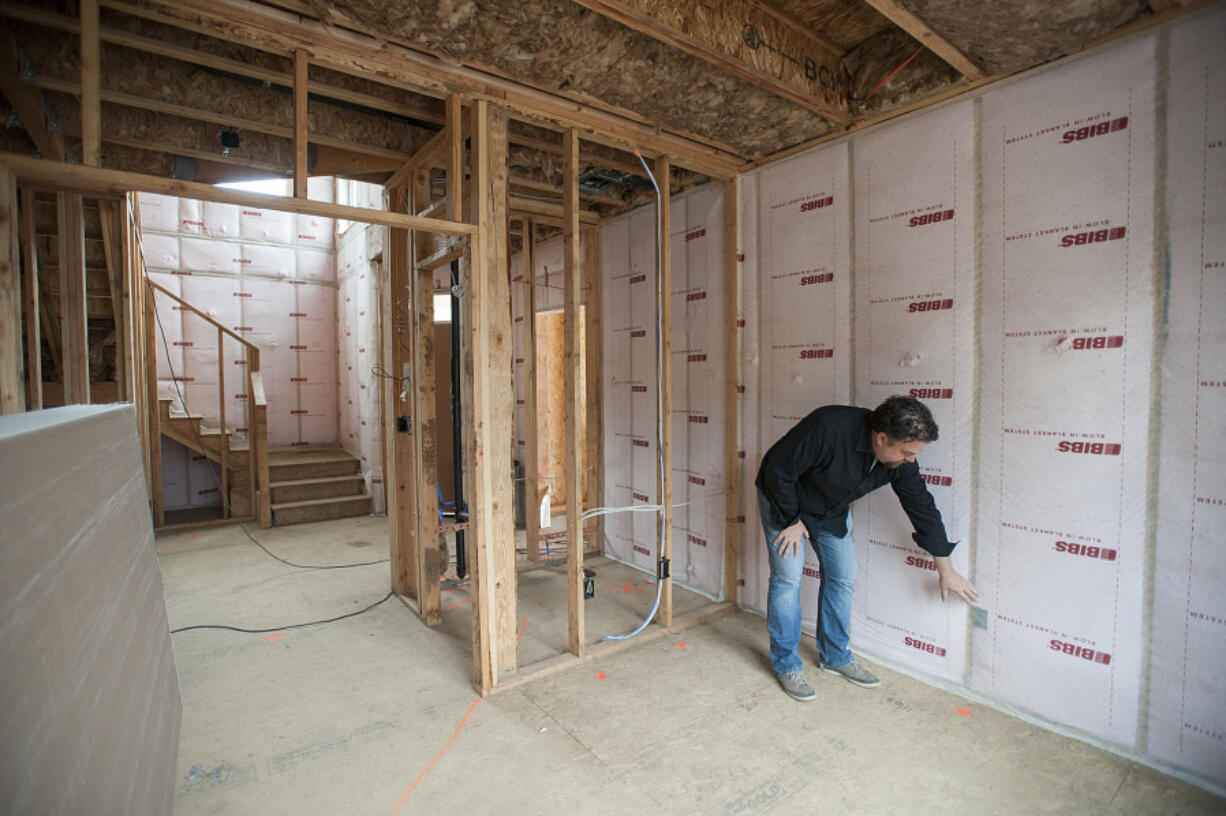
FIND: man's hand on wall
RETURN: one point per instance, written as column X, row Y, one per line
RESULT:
column 953, row 582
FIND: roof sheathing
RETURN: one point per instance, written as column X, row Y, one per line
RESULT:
column 559, row 46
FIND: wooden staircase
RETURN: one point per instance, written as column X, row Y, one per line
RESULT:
column 315, row 485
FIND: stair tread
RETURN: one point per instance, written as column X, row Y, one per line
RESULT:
column 213, row 432
column 315, row 502
column 181, row 415
column 283, row 459
column 316, row 480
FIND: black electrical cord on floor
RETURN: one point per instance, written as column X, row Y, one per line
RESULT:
column 280, row 628
column 250, row 452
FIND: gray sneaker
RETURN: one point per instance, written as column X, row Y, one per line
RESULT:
column 796, row 684
column 855, row 673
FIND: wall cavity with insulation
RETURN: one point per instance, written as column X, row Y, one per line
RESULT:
column 1044, row 264
column 628, row 322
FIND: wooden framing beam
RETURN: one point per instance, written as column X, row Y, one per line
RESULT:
column 490, row 399
column 454, row 166
column 401, row 493
column 732, row 401
column 532, row 454
column 12, row 381
column 428, row 156
column 30, row 300
column 74, row 334
column 911, row 23
column 267, row 29
column 301, row 166
column 664, row 479
column 542, row 187
column 738, row 37
column 572, row 279
column 26, row 99
column 594, row 463
column 108, row 218
column 91, row 86
column 59, row 175
column 430, row 566
column 532, row 206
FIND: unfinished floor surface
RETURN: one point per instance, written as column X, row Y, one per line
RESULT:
column 376, row 714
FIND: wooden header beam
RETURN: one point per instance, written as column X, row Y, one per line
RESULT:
column 911, row 23
column 739, row 37
column 97, row 181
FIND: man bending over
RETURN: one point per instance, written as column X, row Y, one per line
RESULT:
column 806, row 484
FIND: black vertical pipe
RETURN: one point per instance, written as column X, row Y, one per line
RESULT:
column 457, row 442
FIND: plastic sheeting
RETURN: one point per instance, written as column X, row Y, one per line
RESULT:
column 628, row 321
column 1007, row 266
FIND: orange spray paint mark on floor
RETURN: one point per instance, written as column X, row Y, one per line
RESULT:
column 437, row 757
column 964, row 712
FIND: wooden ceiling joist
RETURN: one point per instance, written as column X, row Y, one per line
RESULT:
column 739, row 37
column 348, row 51
column 911, row 23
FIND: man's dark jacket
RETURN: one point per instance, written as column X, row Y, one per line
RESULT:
column 826, row 461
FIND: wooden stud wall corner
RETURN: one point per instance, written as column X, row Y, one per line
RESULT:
column 401, row 494
column 594, row 464
column 74, row 335
column 532, row 472
column 30, row 302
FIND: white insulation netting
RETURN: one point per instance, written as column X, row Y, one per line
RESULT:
column 1045, row 266
column 629, row 387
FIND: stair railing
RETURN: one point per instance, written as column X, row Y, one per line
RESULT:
column 257, row 414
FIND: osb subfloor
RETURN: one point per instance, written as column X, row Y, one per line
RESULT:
column 376, row 714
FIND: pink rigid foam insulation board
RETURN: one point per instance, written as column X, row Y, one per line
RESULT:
column 191, row 216
column 316, row 352
column 698, row 331
column 519, row 346
column 629, row 322
column 914, row 335
column 799, row 309
column 168, row 333
column 266, row 226
column 549, row 277
column 1187, row 718
column 267, row 322
column 207, row 255
column 313, row 231
column 92, row 711
column 628, row 268
column 200, row 383
column 314, row 265
column 161, row 251
column 267, row 261
column 220, row 220
column 159, row 212
column 1067, row 333
column 357, row 351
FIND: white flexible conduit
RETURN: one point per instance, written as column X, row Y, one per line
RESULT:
column 660, row 295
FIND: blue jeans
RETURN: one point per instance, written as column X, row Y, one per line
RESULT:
column 838, row 582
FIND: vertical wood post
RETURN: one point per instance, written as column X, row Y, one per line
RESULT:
column 154, row 433
column 532, row 453
column 301, row 158
column 30, row 299
column 401, row 494
column 573, row 294
column 91, row 86
column 593, row 371
column 114, row 273
column 491, row 400
column 74, row 336
column 455, row 159
column 12, row 385
column 665, row 478
column 430, row 566
column 732, row 417
column 223, row 437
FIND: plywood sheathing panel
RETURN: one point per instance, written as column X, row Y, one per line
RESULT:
column 1008, row 35
column 559, row 46
column 846, row 23
column 877, row 57
column 175, row 82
